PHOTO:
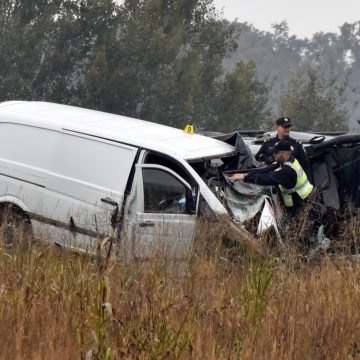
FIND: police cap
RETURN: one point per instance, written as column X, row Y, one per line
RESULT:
column 282, row 145
column 284, row 122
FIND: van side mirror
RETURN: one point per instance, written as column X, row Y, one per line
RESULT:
column 317, row 139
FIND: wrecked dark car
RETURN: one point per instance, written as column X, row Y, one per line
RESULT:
column 336, row 169
column 335, row 163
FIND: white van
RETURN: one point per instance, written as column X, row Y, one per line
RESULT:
column 79, row 174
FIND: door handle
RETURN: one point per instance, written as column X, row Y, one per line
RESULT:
column 109, row 201
column 147, row 224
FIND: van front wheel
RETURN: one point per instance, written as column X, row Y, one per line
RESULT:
column 15, row 225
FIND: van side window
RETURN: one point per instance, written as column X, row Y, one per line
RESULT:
column 159, row 159
column 163, row 193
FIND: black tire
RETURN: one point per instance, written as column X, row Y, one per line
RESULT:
column 15, row 225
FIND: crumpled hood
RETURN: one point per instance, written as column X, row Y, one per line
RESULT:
column 245, row 200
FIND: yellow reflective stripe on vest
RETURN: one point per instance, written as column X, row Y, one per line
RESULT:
column 303, row 186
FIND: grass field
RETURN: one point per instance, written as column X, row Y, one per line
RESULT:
column 60, row 305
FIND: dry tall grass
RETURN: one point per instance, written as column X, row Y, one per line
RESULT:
column 54, row 305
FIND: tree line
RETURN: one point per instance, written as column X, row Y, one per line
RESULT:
column 169, row 61
column 314, row 80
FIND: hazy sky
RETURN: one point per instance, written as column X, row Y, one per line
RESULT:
column 304, row 17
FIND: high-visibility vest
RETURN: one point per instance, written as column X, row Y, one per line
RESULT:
column 303, row 186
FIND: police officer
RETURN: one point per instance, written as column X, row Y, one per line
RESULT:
column 286, row 173
column 283, row 126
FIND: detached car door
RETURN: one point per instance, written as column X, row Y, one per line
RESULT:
column 160, row 219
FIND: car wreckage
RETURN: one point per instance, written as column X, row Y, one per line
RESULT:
column 335, row 164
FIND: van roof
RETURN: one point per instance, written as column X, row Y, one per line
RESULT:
column 124, row 129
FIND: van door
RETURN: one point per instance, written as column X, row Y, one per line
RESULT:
column 85, row 189
column 160, row 218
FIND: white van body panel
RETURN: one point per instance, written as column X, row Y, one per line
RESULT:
column 70, row 168
column 140, row 133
